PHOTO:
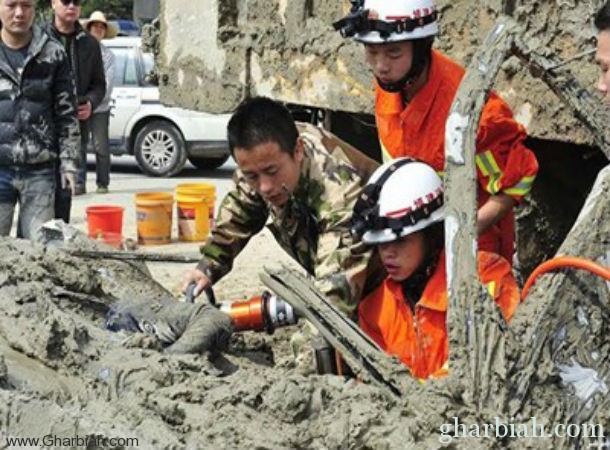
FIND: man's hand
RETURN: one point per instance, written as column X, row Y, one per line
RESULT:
column 496, row 207
column 84, row 111
column 68, row 181
column 198, row 277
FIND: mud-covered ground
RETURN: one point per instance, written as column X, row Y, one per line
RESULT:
column 62, row 374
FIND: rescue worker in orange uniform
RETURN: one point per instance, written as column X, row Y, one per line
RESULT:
column 414, row 89
column 401, row 213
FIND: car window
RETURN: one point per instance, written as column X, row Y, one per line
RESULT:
column 149, row 65
column 126, row 72
column 129, row 25
column 149, row 62
column 126, row 27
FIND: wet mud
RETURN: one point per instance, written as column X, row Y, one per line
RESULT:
column 62, row 374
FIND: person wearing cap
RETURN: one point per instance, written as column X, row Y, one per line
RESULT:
column 85, row 58
column 99, row 28
column 400, row 212
column 414, row 88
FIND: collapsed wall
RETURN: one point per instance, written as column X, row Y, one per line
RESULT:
column 213, row 53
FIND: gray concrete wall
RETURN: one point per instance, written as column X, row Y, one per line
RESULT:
column 214, row 52
column 145, row 10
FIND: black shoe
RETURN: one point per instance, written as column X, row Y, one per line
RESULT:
column 80, row 189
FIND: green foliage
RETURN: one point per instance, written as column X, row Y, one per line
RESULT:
column 114, row 9
column 43, row 11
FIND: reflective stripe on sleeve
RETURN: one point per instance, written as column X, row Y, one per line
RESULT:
column 487, row 163
column 493, row 187
column 522, row 187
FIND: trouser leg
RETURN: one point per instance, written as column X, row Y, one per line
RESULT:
column 178, row 327
column 36, row 199
column 84, row 142
column 8, row 198
column 63, row 200
column 99, row 133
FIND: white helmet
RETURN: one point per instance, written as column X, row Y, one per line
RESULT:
column 381, row 21
column 403, row 196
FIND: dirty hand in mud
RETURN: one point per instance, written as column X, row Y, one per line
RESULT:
column 173, row 326
column 196, row 276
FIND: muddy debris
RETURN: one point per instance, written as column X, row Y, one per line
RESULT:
column 63, row 375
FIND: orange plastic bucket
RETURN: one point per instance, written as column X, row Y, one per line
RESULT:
column 154, row 217
column 204, row 191
column 104, row 218
column 193, row 218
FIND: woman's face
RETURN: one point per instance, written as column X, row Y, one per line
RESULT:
column 402, row 257
column 98, row 30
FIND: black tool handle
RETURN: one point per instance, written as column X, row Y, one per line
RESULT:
column 190, row 294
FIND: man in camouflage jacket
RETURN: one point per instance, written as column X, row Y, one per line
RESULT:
column 304, row 184
column 39, row 129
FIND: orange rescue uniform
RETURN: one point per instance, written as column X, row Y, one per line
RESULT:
column 419, row 338
column 504, row 164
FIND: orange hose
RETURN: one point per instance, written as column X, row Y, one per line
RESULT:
column 562, row 262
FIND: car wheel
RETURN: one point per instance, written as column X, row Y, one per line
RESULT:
column 159, row 149
column 208, row 163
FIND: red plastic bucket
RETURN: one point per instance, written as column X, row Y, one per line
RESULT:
column 104, row 219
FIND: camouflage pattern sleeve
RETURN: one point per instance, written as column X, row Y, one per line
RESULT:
column 241, row 215
column 340, row 261
column 341, row 269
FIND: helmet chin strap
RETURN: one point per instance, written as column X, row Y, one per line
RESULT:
column 398, row 86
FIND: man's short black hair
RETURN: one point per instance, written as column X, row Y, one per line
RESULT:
column 602, row 18
column 259, row 120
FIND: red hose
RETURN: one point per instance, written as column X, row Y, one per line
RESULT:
column 562, row 262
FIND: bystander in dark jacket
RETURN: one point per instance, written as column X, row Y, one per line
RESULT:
column 39, row 132
column 86, row 62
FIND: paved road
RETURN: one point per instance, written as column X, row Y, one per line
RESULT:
column 126, row 180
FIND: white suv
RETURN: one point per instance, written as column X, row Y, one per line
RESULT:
column 161, row 138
